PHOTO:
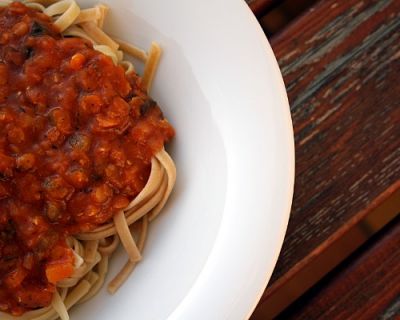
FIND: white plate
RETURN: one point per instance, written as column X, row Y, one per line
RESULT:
column 211, row 252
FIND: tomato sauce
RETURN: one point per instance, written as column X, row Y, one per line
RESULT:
column 76, row 140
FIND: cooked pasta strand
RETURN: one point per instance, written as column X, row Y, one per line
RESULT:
column 99, row 35
column 69, row 11
column 88, row 15
column 91, row 250
column 103, row 13
column 96, row 285
column 170, row 169
column 132, row 50
column 151, row 65
column 129, row 266
column 126, row 238
column 59, row 306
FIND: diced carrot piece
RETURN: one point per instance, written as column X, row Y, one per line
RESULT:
column 77, row 61
column 58, row 271
column 61, row 266
column 120, row 202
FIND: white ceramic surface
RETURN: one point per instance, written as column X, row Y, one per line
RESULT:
column 211, row 252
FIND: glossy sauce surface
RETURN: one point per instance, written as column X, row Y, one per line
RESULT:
column 76, row 139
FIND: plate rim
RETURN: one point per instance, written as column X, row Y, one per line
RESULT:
column 183, row 310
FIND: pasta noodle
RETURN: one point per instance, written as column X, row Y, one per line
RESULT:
column 92, row 250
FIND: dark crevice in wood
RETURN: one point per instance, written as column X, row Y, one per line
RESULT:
column 261, row 7
column 276, row 15
column 328, row 255
column 364, row 281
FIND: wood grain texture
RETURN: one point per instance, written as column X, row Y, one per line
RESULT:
column 347, row 239
column 342, row 75
column 341, row 66
column 367, row 286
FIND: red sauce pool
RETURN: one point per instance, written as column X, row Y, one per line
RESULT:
column 76, row 140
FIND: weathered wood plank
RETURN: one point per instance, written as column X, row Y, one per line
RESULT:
column 329, row 254
column 341, row 66
column 364, row 287
column 341, row 70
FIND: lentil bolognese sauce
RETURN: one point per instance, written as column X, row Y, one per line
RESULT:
column 82, row 160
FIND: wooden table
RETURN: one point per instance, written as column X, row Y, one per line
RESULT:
column 341, row 64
